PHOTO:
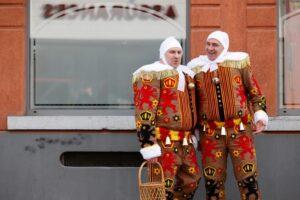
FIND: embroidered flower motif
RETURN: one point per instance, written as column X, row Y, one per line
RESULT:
column 218, row 154
column 159, row 113
column 236, row 153
column 192, row 170
column 221, row 194
column 156, row 171
column 138, row 124
column 253, row 91
column 154, row 103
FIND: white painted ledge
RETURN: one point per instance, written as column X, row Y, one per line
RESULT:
column 70, row 123
column 282, row 123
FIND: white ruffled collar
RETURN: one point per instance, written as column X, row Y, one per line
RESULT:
column 208, row 65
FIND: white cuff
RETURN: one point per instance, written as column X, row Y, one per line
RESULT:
column 151, row 152
column 261, row 115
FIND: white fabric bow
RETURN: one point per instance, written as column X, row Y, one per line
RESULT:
column 181, row 80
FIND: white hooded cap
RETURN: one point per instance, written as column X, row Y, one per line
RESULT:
column 203, row 60
column 223, row 38
column 167, row 44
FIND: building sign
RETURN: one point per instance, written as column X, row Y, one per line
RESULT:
column 108, row 19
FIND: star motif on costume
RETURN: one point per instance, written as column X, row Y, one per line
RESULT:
column 176, row 118
column 221, row 194
column 159, row 113
column 192, row 170
column 156, row 171
column 154, row 103
column 236, row 153
column 254, row 91
column 218, row 154
column 138, row 124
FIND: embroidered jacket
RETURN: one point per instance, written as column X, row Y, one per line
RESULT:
column 158, row 103
column 226, row 97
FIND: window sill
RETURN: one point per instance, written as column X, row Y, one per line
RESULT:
column 70, row 123
column 281, row 123
column 284, row 123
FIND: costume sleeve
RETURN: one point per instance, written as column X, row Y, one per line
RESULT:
column 146, row 87
column 255, row 96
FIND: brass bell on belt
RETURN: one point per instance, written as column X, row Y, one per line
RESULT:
column 191, row 85
column 215, row 80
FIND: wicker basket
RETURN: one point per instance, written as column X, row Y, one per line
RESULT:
column 152, row 190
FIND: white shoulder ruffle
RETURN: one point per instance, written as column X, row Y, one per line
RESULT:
column 236, row 56
column 202, row 60
column 199, row 61
column 156, row 67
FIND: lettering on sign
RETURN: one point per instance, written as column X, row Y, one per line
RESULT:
column 104, row 12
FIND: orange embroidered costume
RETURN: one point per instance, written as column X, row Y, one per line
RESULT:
column 164, row 98
column 225, row 89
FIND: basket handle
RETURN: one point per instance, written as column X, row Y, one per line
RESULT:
column 142, row 166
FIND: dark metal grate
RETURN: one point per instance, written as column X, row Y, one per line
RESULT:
column 101, row 159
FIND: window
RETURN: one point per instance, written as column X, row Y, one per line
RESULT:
column 289, row 60
column 82, row 53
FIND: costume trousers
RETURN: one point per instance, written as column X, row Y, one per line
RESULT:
column 181, row 170
column 215, row 149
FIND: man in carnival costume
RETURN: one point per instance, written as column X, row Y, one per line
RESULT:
column 164, row 98
column 225, row 92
